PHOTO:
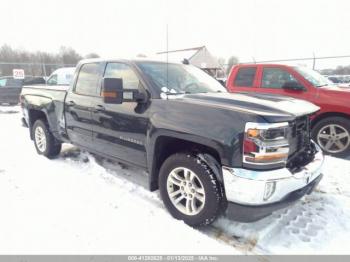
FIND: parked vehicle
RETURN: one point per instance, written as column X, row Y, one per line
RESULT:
column 207, row 151
column 61, row 77
column 10, row 88
column 330, row 125
column 340, row 81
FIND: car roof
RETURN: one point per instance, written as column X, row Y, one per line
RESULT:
column 126, row 60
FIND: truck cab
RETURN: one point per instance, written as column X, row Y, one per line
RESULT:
column 330, row 126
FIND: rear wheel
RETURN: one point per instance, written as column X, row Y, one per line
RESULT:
column 333, row 135
column 190, row 190
column 45, row 143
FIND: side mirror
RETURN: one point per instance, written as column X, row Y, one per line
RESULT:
column 293, row 85
column 113, row 92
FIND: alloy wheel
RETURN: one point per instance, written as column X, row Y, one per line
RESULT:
column 40, row 138
column 186, row 191
column 333, row 138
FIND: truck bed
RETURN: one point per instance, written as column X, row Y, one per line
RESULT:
column 50, row 101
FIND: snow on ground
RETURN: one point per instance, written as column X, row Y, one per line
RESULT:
column 79, row 204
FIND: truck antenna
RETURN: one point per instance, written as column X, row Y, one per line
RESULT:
column 167, row 56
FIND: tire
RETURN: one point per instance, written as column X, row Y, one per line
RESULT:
column 327, row 134
column 44, row 141
column 203, row 193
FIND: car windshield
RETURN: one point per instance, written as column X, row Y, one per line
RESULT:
column 313, row 76
column 179, row 78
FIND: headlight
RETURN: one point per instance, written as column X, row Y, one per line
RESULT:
column 265, row 144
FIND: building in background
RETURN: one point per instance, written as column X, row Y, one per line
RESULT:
column 197, row 56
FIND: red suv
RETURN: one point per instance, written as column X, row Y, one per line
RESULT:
column 330, row 126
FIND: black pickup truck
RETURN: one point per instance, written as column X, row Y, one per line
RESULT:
column 206, row 150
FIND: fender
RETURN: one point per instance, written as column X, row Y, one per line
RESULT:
column 153, row 143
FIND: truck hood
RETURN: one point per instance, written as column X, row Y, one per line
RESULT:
column 261, row 104
column 337, row 89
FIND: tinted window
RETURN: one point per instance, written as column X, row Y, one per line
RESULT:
column 276, row 78
column 245, row 77
column 88, row 79
column 123, row 71
column 14, row 83
column 52, row 80
column 3, row 82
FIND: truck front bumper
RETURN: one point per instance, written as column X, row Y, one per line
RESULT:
column 253, row 195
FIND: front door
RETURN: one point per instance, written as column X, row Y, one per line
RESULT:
column 273, row 80
column 120, row 130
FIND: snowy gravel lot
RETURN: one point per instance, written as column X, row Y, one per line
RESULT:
column 79, row 204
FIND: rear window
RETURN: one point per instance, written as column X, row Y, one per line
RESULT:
column 10, row 82
column 245, row 77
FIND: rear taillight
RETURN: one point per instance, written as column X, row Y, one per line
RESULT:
column 265, row 144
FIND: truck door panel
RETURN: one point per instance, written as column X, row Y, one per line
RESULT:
column 119, row 130
column 78, row 119
column 245, row 79
column 273, row 79
column 78, row 104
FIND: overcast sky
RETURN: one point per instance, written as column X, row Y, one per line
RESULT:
column 263, row 29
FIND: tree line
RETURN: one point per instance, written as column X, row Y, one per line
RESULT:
column 339, row 70
column 38, row 63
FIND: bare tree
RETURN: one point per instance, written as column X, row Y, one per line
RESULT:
column 233, row 60
column 92, row 55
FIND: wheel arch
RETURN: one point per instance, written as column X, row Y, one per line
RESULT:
column 34, row 115
column 325, row 115
column 165, row 145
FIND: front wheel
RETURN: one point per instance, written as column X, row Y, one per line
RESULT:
column 45, row 143
column 190, row 190
column 333, row 135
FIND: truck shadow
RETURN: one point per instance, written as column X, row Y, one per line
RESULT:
column 114, row 168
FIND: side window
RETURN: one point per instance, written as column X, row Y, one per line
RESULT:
column 14, row 83
column 52, row 80
column 88, row 79
column 245, row 77
column 3, row 82
column 276, row 78
column 123, row 71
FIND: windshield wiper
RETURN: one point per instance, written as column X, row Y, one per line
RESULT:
column 177, row 93
column 322, row 85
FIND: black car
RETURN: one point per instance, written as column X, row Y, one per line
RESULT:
column 10, row 88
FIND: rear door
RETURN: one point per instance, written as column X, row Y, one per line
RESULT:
column 244, row 80
column 78, row 104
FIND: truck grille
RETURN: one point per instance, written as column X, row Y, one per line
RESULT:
column 300, row 135
column 302, row 151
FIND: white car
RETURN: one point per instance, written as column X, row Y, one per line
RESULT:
column 61, row 76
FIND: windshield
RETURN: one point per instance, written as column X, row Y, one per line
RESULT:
column 179, row 79
column 313, row 77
